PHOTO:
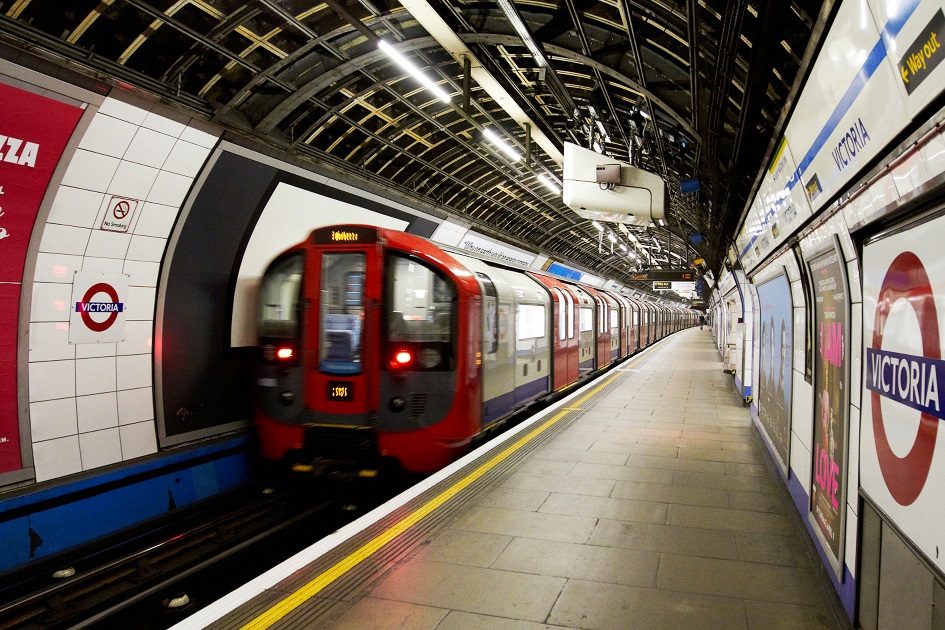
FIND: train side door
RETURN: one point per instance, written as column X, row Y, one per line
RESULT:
column 344, row 294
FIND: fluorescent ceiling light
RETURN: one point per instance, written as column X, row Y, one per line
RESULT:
column 408, row 65
column 597, row 226
column 661, row 222
column 549, row 183
column 492, row 137
column 511, row 14
column 613, row 239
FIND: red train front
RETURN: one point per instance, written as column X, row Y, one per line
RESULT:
column 369, row 344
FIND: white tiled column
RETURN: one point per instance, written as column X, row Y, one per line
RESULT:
column 92, row 404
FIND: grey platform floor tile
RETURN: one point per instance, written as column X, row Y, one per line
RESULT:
column 586, row 562
column 724, row 455
column 784, row 550
column 733, row 578
column 728, row 519
column 675, row 463
column 632, row 448
column 772, row 616
column 665, row 493
column 606, row 507
column 472, row 589
column 747, row 470
column 560, row 527
column 458, row 620
column 514, row 499
column 458, row 546
column 605, row 606
column 592, row 456
column 546, row 466
column 757, row 501
column 724, row 482
column 621, row 473
column 557, row 483
column 571, row 441
column 691, row 541
column 387, row 615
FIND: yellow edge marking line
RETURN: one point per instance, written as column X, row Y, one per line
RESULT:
column 324, row 579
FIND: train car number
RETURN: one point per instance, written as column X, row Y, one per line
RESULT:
column 340, row 390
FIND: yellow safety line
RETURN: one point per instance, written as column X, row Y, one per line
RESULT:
column 324, row 579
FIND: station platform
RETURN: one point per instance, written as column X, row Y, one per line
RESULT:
column 645, row 499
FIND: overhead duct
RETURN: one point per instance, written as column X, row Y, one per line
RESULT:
column 600, row 188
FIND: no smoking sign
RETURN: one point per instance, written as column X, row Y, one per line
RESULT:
column 119, row 213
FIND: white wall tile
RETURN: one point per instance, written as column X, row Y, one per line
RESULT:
column 856, row 353
column 156, row 220
column 94, row 376
column 802, row 411
column 138, row 335
column 167, row 122
column 75, row 206
column 132, row 180
column 134, row 371
column 64, row 239
column 142, row 274
column 186, row 159
column 51, row 302
column 108, row 135
column 146, row 248
column 49, row 341
column 853, row 459
column 53, row 419
column 91, row 171
column 800, row 464
column 57, row 458
column 129, row 108
column 170, row 189
column 150, row 148
column 853, row 277
column 96, row 412
column 103, row 244
column 140, row 304
column 100, row 448
column 103, row 265
column 51, row 379
column 135, row 405
column 138, row 440
column 199, row 137
column 56, row 267
column 850, row 542
column 92, row 350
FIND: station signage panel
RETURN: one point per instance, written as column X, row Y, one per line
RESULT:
column 34, row 131
column 902, row 454
column 344, row 235
column 98, row 307
column 668, row 275
column 662, row 285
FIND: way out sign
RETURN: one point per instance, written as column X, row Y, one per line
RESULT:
column 98, row 307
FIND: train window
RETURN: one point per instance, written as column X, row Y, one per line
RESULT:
column 279, row 295
column 419, row 313
column 614, row 319
column 562, row 315
column 490, row 315
column 530, row 321
column 587, row 319
column 341, row 313
column 601, row 316
column 570, row 313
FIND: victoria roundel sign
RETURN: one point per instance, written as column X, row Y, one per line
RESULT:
column 98, row 307
column 902, row 459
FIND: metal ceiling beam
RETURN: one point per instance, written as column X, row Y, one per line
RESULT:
column 692, row 6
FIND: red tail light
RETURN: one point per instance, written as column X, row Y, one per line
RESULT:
column 401, row 359
column 285, row 353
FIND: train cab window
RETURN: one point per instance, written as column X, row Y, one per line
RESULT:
column 341, row 316
column 419, row 305
column 279, row 298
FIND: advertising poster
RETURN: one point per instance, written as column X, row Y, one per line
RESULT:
column 33, row 132
column 831, row 400
column 775, row 372
column 902, row 454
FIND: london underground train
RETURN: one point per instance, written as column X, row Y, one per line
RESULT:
column 377, row 344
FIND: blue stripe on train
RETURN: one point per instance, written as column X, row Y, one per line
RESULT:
column 501, row 406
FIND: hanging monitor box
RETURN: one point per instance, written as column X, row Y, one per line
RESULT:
column 631, row 195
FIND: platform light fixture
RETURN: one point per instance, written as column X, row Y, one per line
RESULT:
column 409, row 66
column 494, row 138
column 597, row 226
column 511, row 14
column 549, row 183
